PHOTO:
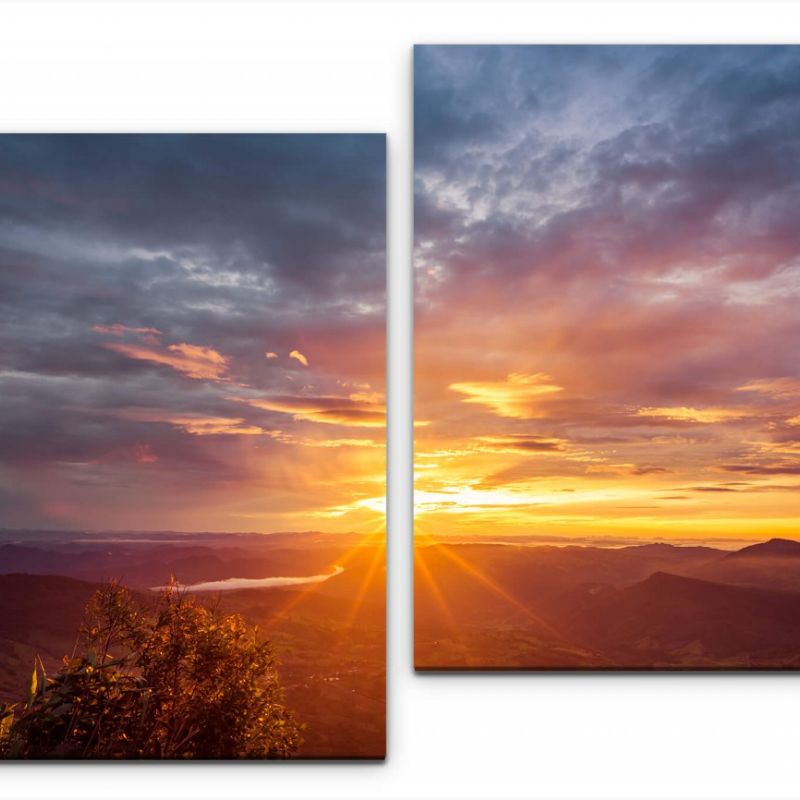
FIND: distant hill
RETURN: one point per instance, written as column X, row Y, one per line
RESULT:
column 780, row 548
column 491, row 605
column 539, row 576
column 640, row 606
column 669, row 620
column 774, row 564
column 152, row 564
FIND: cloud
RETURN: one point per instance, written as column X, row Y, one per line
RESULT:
column 154, row 273
column 783, row 388
column 270, row 355
column 298, row 356
column 743, row 486
column 759, row 469
column 144, row 454
column 194, row 361
column 327, row 442
column 328, row 410
column 622, row 219
column 150, row 335
column 522, row 443
column 701, row 415
column 194, row 423
column 646, row 469
column 299, row 211
column 515, row 397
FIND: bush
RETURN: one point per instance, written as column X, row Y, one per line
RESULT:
column 174, row 681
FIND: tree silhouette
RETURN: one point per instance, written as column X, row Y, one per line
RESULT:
column 173, row 680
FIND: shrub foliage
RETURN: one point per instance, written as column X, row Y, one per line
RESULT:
column 176, row 680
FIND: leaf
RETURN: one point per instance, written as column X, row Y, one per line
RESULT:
column 40, row 664
column 33, row 686
column 6, row 720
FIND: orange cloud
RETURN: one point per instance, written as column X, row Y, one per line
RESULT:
column 515, row 397
column 196, row 424
column 773, row 387
column 330, row 410
column 269, row 354
column 349, row 442
column 685, row 414
column 298, row 356
column 202, row 363
column 367, row 397
column 521, row 443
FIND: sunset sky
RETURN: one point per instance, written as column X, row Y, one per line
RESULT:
column 608, row 291
column 192, row 332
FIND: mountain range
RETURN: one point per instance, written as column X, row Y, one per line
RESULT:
column 651, row 606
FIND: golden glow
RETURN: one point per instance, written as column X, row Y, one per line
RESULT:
column 374, row 539
column 291, row 458
column 466, row 498
column 633, row 480
column 706, row 415
column 376, row 505
column 515, row 397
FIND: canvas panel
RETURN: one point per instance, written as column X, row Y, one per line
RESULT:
column 192, row 394
column 607, row 266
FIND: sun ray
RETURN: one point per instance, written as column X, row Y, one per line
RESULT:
column 301, row 596
column 438, row 595
column 475, row 573
column 378, row 558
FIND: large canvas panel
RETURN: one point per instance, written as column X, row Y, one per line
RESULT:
column 192, row 394
column 607, row 384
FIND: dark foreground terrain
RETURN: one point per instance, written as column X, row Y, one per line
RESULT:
column 652, row 606
column 329, row 636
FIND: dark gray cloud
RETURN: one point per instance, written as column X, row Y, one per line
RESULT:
column 143, row 278
column 565, row 160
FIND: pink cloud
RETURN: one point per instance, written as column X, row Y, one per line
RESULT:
column 194, row 361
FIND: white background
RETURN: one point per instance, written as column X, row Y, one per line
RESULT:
column 346, row 66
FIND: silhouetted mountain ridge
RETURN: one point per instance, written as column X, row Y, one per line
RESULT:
column 783, row 548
